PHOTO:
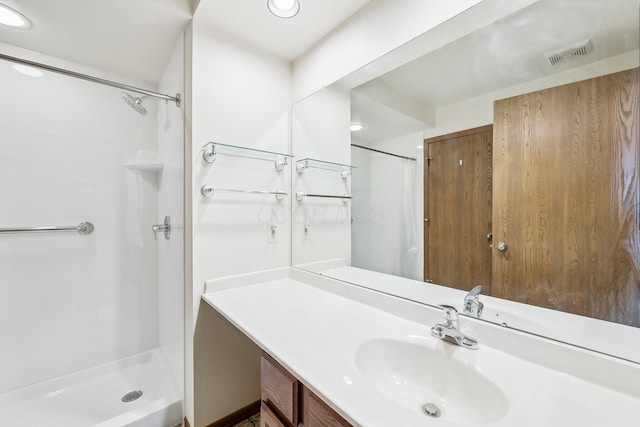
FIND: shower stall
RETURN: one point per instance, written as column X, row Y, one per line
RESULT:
column 91, row 273
column 386, row 230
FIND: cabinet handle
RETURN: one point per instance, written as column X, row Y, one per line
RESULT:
column 502, row 247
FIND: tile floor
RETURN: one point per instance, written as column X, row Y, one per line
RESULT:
column 253, row 421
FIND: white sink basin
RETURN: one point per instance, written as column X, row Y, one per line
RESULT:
column 430, row 371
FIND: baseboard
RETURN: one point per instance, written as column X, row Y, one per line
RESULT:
column 236, row 417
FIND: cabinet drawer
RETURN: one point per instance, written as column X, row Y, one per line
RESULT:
column 316, row 413
column 279, row 389
column 268, row 418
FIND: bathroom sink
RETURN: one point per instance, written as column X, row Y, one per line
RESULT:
column 429, row 371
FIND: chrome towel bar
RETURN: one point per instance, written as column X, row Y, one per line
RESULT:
column 208, row 192
column 83, row 228
column 300, row 195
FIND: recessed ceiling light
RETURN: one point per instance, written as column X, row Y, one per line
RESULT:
column 27, row 71
column 355, row 127
column 284, row 8
column 13, row 18
column 419, row 147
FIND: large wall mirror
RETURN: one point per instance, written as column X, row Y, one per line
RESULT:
column 504, row 154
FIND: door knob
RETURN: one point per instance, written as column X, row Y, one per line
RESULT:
column 502, row 247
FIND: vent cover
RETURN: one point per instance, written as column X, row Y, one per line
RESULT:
column 578, row 49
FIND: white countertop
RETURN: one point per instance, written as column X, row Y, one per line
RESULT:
column 315, row 330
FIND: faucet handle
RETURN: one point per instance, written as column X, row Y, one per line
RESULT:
column 450, row 313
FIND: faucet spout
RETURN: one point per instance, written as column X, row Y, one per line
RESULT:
column 472, row 305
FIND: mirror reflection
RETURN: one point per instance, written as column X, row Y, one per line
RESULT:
column 506, row 158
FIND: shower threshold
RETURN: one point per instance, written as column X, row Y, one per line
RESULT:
column 93, row 397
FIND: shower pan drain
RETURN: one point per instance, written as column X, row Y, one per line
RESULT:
column 131, row 396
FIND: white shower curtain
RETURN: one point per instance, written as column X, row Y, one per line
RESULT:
column 385, row 231
column 406, row 261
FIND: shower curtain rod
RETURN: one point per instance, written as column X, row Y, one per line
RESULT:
column 175, row 99
column 383, row 152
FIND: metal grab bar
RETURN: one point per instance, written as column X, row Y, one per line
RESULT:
column 83, row 228
column 208, row 192
column 301, row 195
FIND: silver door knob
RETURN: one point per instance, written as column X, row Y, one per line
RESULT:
column 502, row 247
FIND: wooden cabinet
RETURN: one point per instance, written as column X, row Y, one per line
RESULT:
column 288, row 403
column 268, row 418
column 316, row 413
column 279, row 390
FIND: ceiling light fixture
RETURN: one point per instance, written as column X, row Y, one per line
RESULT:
column 355, row 127
column 27, row 71
column 284, row 8
column 13, row 18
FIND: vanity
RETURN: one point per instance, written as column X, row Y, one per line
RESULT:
column 336, row 354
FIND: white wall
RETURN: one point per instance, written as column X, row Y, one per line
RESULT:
column 320, row 129
column 478, row 111
column 376, row 29
column 171, row 202
column 242, row 97
column 69, row 301
column 361, row 210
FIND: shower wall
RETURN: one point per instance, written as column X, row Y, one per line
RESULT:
column 69, row 302
column 171, row 203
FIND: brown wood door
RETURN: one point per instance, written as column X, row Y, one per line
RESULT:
column 458, row 209
column 566, row 198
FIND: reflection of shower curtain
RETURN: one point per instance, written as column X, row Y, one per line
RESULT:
column 406, row 262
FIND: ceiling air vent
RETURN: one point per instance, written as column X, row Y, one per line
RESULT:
column 578, row 49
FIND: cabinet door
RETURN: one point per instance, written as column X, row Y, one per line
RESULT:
column 316, row 413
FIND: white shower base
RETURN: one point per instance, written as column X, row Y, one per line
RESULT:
column 92, row 397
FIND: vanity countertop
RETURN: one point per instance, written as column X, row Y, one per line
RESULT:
column 606, row 337
column 344, row 343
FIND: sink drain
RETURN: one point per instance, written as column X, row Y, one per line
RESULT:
column 131, row 396
column 431, row 410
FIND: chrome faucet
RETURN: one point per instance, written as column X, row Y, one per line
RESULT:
column 472, row 305
column 450, row 330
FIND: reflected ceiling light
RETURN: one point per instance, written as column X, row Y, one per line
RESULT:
column 284, row 8
column 27, row 71
column 355, row 127
column 13, row 18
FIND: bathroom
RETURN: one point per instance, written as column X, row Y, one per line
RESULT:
column 119, row 310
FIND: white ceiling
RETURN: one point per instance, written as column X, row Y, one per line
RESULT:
column 129, row 37
column 504, row 54
column 251, row 22
column 136, row 37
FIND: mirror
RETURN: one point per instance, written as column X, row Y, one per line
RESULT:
column 542, row 209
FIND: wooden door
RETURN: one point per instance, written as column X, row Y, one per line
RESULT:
column 566, row 198
column 458, row 209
